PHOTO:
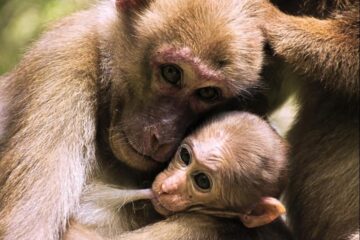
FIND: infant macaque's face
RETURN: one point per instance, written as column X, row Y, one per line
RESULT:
column 223, row 168
column 191, row 180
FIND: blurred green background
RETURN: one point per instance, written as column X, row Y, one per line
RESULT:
column 22, row 21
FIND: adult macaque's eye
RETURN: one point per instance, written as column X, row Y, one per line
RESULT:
column 202, row 181
column 185, row 156
column 209, row 94
column 171, row 73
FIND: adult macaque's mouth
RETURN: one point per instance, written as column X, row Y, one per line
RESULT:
column 133, row 148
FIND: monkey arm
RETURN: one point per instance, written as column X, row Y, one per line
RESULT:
column 189, row 226
column 327, row 49
column 198, row 226
column 44, row 166
column 182, row 226
column 50, row 145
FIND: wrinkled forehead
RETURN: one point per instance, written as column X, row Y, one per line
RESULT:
column 208, row 27
column 210, row 152
column 221, row 35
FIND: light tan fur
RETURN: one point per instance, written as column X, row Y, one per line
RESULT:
column 77, row 77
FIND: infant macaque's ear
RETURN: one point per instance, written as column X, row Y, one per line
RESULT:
column 266, row 211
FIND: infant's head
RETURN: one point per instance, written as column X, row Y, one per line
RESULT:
column 234, row 165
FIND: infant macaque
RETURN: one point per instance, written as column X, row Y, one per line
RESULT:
column 233, row 166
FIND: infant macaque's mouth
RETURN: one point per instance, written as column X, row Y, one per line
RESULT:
column 159, row 207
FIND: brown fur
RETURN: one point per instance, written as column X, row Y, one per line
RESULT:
column 94, row 76
column 323, row 194
column 51, row 136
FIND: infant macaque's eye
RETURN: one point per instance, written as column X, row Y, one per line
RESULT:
column 185, row 156
column 202, row 181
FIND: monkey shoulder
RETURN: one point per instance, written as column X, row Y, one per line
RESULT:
column 68, row 49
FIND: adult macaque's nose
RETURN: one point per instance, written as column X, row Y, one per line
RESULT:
column 160, row 149
column 154, row 138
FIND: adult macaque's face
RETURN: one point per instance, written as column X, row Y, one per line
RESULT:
column 175, row 73
column 154, row 116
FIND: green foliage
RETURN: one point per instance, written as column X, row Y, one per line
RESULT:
column 22, row 21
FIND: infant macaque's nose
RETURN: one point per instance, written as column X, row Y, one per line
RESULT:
column 173, row 184
column 169, row 187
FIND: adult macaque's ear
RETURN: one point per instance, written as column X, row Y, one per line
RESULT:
column 266, row 211
column 131, row 5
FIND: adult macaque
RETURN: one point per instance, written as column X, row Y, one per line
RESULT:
column 64, row 109
column 123, row 81
column 323, row 190
column 234, row 165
